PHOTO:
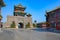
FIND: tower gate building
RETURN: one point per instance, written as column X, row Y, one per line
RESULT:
column 20, row 18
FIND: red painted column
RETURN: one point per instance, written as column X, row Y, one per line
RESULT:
column 57, row 27
column 56, row 21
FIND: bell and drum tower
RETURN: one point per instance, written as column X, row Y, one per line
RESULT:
column 20, row 17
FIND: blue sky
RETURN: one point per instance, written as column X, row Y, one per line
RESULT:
column 35, row 7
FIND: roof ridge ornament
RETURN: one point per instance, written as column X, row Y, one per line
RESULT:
column 19, row 5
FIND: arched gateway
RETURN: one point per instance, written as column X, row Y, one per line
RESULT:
column 20, row 25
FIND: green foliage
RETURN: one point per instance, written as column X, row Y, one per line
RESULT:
column 28, row 25
column 34, row 25
column 35, row 21
column 2, row 3
column 13, row 25
column 0, row 15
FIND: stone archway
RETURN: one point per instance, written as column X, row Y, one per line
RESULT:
column 20, row 25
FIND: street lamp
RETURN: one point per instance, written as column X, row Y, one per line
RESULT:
column 1, row 5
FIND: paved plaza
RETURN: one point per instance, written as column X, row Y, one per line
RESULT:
column 27, row 34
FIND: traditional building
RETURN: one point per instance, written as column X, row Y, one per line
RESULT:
column 20, row 18
column 41, row 25
column 53, row 18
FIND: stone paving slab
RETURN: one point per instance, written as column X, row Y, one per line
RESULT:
column 17, row 34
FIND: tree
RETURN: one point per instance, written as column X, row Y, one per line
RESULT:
column 28, row 25
column 0, row 17
column 34, row 25
column 13, row 25
column 35, row 21
column 2, row 3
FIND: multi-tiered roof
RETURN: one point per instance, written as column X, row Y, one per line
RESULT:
column 19, row 10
